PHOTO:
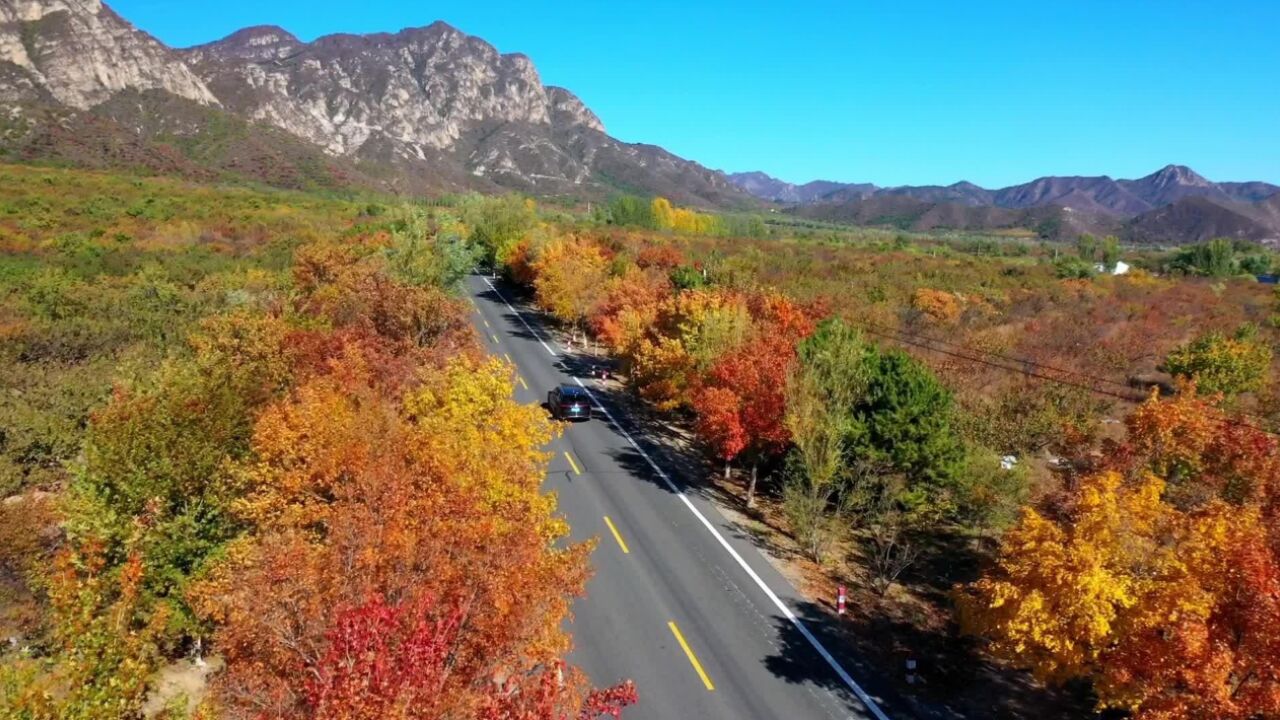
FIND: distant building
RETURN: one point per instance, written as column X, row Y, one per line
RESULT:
column 1122, row 268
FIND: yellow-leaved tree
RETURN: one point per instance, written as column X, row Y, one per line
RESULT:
column 569, row 276
column 1059, row 591
column 663, row 213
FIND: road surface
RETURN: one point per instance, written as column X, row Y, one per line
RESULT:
column 681, row 602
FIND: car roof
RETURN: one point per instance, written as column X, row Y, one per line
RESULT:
column 572, row 390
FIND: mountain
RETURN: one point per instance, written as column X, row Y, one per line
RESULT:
column 1091, row 194
column 769, row 188
column 1173, row 205
column 1187, row 220
column 79, row 53
column 1197, row 219
column 961, row 193
column 1123, row 198
column 910, row 213
column 1249, row 191
column 423, row 109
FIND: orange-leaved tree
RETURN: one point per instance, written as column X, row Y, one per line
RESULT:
column 417, row 519
column 745, row 396
column 1161, row 583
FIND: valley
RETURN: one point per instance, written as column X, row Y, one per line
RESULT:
column 366, row 375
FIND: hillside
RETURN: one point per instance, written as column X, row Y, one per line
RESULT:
column 1170, row 206
column 426, row 109
column 909, row 213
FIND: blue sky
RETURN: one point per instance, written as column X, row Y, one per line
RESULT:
column 892, row 93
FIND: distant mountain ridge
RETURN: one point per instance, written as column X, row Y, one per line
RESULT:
column 1174, row 204
column 424, row 109
column 431, row 109
column 1088, row 193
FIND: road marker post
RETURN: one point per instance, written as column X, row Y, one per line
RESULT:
column 841, row 599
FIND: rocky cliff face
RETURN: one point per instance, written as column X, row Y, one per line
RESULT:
column 426, row 88
column 437, row 96
column 80, row 53
column 424, row 108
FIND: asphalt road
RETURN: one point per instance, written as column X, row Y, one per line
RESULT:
column 681, row 601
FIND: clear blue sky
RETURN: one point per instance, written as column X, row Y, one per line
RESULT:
column 992, row 92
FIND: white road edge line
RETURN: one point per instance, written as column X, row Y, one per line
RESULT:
column 826, row 655
column 518, row 316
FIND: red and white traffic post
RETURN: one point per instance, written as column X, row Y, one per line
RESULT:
column 841, row 598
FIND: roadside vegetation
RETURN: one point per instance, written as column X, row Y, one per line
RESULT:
column 249, row 435
column 988, row 438
column 254, row 430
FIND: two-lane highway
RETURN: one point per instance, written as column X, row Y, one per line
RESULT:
column 681, row 602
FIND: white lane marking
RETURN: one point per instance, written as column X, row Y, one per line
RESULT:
column 518, row 316
column 803, row 629
column 848, row 680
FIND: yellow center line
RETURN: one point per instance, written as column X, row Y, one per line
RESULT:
column 486, row 322
column 572, row 464
column 693, row 659
column 616, row 535
column 521, row 381
column 508, row 357
column 495, row 338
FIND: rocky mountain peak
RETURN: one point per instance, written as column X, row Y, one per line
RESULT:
column 567, row 110
column 1171, row 175
column 258, row 43
column 1172, row 183
column 33, row 10
column 424, row 107
column 81, row 53
column 413, row 93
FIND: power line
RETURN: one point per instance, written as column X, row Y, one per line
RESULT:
column 924, row 343
column 906, row 339
column 1010, row 358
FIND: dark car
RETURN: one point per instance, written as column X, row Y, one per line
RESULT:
column 569, row 402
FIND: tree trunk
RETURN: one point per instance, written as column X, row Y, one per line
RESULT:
column 751, row 487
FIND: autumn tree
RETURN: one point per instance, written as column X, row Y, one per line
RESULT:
column 387, row 660
column 106, row 641
column 413, row 515
column 719, row 424
column 1223, row 364
column 822, row 388
column 626, row 307
column 752, row 380
column 499, row 224
column 569, row 277
column 663, row 257
column 663, row 213
column 683, row 336
column 938, row 306
column 1160, row 583
column 430, row 250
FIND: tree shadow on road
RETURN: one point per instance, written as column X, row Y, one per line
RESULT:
column 875, row 649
